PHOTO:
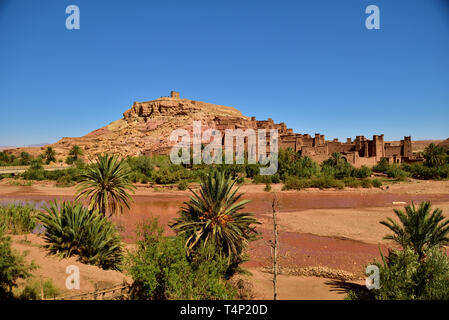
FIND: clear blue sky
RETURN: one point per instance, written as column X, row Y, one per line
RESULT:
column 309, row 63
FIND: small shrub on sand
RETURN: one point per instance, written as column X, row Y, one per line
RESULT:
column 377, row 183
column 267, row 187
column 183, row 185
column 18, row 218
column 12, row 267
column 33, row 290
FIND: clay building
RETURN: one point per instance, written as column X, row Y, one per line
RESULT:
column 358, row 152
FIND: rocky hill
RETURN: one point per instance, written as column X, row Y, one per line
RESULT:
column 145, row 128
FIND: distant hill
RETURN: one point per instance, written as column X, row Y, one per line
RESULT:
column 444, row 144
column 6, row 147
column 28, row 146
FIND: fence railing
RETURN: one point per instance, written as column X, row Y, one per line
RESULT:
column 115, row 292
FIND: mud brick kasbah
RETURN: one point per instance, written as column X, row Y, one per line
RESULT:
column 145, row 129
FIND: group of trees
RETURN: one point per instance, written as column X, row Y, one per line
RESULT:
column 47, row 157
column 294, row 170
column 420, row 269
column 212, row 235
column 434, row 167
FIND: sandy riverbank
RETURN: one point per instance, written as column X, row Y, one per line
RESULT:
column 335, row 229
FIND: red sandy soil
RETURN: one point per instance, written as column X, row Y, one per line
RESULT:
column 335, row 229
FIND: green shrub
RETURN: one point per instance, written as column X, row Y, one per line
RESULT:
column 252, row 170
column 18, row 218
column 34, row 174
column 73, row 230
column 351, row 182
column 267, row 178
column 362, row 172
column 327, row 182
column 320, row 182
column 396, row 172
column 382, row 166
column 295, row 183
column 377, row 183
column 366, row 183
column 420, row 171
column 33, row 290
column 183, row 185
column 12, row 267
column 143, row 165
column 64, row 181
column 36, row 164
column 161, row 269
column 267, row 187
column 403, row 276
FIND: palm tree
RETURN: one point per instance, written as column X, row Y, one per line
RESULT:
column 106, row 185
column 49, row 155
column 435, row 156
column 213, row 217
column 75, row 152
column 421, row 229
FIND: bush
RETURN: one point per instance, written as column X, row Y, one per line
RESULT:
column 420, row 171
column 295, row 183
column 18, row 218
column 64, row 181
column 327, row 182
column 267, row 178
column 366, row 183
column 382, row 166
column 361, row 173
column 161, row 269
column 321, row 183
column 12, row 267
column 351, row 182
column 403, row 276
column 252, row 170
column 396, row 172
column 36, row 164
column 33, row 290
column 73, row 230
column 183, row 185
column 377, row 183
column 267, row 187
column 34, row 174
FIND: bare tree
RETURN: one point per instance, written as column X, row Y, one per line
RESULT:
column 274, row 244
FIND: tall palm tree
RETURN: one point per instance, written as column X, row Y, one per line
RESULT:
column 75, row 152
column 106, row 185
column 435, row 156
column 421, row 229
column 213, row 216
column 49, row 155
